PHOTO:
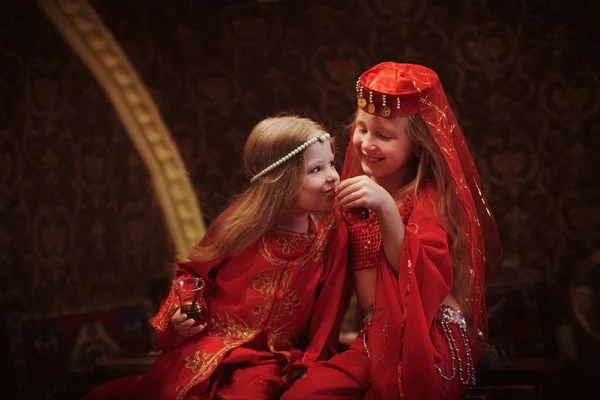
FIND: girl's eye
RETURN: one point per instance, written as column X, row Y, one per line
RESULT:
column 315, row 169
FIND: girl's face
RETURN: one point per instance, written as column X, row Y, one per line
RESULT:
column 317, row 192
column 383, row 146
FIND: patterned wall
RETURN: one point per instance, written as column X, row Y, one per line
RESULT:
column 81, row 227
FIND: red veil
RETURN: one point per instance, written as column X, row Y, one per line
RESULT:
column 392, row 90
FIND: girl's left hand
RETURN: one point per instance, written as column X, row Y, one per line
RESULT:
column 362, row 191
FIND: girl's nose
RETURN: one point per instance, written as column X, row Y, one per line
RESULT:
column 333, row 176
column 367, row 144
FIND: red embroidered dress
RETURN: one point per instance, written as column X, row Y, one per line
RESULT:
column 276, row 306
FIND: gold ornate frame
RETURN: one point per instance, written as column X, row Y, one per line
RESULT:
column 83, row 29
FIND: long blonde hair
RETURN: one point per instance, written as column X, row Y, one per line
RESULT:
column 432, row 169
column 256, row 209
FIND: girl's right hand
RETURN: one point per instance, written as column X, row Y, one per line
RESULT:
column 362, row 191
column 184, row 326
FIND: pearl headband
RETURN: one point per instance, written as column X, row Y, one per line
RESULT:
column 291, row 154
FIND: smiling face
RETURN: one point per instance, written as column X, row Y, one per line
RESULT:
column 317, row 191
column 383, row 147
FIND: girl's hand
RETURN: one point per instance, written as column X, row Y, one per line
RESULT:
column 362, row 191
column 184, row 326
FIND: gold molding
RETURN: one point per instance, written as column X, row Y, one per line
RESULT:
column 83, row 29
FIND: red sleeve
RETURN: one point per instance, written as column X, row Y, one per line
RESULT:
column 166, row 337
column 427, row 243
column 399, row 333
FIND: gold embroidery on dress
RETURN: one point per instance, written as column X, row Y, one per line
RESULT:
column 263, row 281
column 204, row 369
column 195, row 362
column 290, row 301
column 282, row 340
column 314, row 252
column 322, row 241
column 290, row 240
column 268, row 255
column 229, row 326
column 284, row 304
column 286, row 244
column 161, row 321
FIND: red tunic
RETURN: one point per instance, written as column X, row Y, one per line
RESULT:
column 276, row 306
column 409, row 340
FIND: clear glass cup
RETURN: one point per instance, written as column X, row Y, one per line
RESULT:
column 191, row 299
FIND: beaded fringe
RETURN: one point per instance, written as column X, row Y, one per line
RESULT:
column 447, row 315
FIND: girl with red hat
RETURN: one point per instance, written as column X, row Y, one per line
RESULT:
column 423, row 241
